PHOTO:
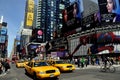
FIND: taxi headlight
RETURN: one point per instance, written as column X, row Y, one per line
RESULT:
column 57, row 71
column 41, row 72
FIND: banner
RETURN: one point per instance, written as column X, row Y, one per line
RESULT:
column 110, row 11
column 29, row 19
column 72, row 16
column 30, row 6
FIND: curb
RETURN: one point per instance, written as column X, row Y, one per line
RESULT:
column 93, row 67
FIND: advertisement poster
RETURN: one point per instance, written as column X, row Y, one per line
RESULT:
column 99, row 43
column 109, row 10
column 72, row 16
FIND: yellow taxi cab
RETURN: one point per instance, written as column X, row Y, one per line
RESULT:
column 62, row 65
column 41, row 70
column 21, row 63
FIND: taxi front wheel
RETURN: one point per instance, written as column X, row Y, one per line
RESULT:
column 35, row 77
column 26, row 71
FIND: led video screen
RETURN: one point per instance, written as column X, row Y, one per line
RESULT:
column 72, row 16
column 109, row 11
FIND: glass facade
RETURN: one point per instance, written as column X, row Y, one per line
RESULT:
column 49, row 17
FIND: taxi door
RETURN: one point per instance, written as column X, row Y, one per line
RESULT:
column 29, row 67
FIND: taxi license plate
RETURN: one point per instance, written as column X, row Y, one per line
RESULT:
column 51, row 75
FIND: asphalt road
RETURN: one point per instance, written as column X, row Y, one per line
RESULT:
column 78, row 74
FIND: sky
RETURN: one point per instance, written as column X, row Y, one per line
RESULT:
column 13, row 13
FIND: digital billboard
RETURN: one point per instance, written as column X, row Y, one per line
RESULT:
column 2, row 39
column 109, row 11
column 91, row 15
column 30, row 6
column 72, row 16
column 3, row 31
column 37, row 35
column 30, row 13
column 29, row 19
column 91, row 21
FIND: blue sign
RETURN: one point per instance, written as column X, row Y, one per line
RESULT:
column 3, row 31
column 2, row 39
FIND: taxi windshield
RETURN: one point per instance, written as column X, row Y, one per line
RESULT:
column 37, row 64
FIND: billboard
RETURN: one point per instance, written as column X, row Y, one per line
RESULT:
column 30, row 6
column 91, row 21
column 3, row 31
column 2, row 39
column 30, row 13
column 99, row 43
column 107, row 42
column 29, row 20
column 109, row 11
column 27, row 32
column 72, row 16
column 37, row 35
column 89, row 17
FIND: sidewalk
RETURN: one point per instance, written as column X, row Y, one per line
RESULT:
column 4, row 73
column 93, row 66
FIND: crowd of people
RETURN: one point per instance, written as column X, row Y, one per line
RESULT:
column 84, row 62
column 4, row 65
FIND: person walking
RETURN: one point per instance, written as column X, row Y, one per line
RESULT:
column 6, row 65
column 82, row 62
column 1, row 68
column 78, row 62
column 86, row 62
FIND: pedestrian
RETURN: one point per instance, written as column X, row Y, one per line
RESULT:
column 36, row 57
column 112, row 61
column 1, row 68
column 78, row 62
column 86, row 62
column 6, row 65
column 82, row 62
column 105, row 60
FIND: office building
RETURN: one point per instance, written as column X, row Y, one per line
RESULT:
column 49, row 17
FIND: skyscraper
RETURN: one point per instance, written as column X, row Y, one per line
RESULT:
column 28, row 23
column 49, row 17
